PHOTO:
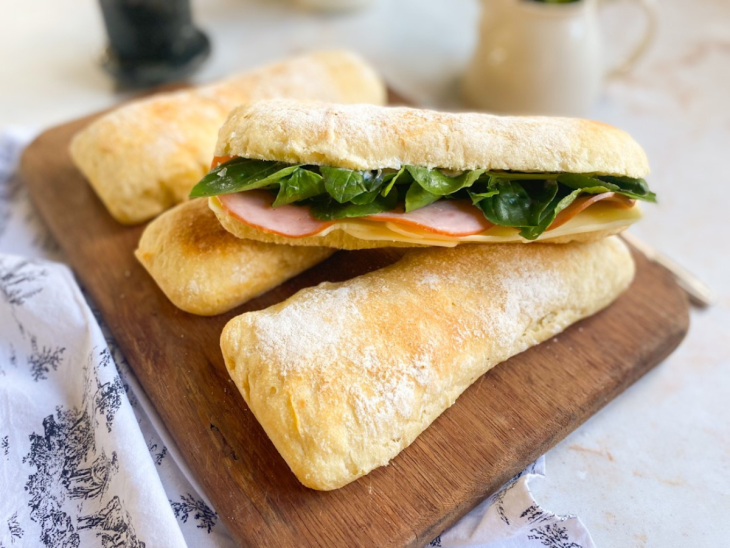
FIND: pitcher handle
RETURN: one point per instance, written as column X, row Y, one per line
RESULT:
column 626, row 64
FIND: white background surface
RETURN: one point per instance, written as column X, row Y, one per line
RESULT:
column 651, row 469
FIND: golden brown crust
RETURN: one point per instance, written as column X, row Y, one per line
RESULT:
column 205, row 270
column 371, row 137
column 344, row 376
column 146, row 156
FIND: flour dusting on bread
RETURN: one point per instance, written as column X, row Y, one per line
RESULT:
column 344, row 376
column 296, row 335
column 367, row 137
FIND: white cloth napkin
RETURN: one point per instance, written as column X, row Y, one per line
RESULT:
column 84, row 460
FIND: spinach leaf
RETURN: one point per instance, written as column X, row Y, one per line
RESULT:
column 518, row 204
column 477, row 197
column 241, row 174
column 558, row 204
column 372, row 182
column 575, row 181
column 435, row 182
column 366, row 198
column 302, row 184
column 633, row 188
column 418, row 197
column 331, row 210
column 343, row 184
column 400, row 177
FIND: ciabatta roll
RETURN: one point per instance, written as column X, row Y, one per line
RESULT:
column 343, row 376
column 205, row 270
column 144, row 157
column 358, row 176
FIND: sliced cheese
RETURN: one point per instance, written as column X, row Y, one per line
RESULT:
column 597, row 217
column 600, row 216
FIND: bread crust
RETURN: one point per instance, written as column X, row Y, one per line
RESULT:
column 205, row 270
column 145, row 157
column 343, row 376
column 366, row 137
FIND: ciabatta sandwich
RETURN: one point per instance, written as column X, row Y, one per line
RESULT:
column 360, row 176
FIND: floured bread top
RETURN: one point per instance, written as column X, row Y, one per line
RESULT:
column 367, row 137
column 343, row 376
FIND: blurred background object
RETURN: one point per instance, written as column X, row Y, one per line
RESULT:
column 543, row 57
column 333, row 5
column 151, row 41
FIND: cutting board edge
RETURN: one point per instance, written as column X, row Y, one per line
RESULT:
column 675, row 340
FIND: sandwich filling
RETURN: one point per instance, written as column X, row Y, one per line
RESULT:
column 416, row 203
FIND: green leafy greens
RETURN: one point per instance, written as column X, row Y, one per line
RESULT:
column 527, row 201
column 241, row 174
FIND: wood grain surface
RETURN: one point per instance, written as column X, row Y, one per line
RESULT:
column 505, row 420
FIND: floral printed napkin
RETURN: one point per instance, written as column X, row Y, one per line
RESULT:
column 84, row 460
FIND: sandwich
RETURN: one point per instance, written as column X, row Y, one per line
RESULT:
column 362, row 176
column 143, row 158
column 344, row 376
column 205, row 270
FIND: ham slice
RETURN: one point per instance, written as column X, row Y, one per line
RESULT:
column 446, row 217
column 253, row 207
column 582, row 202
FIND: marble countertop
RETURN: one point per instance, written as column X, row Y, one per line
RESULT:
column 653, row 468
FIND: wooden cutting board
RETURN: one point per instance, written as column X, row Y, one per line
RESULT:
column 505, row 420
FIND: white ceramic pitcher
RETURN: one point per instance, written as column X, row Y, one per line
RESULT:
column 542, row 58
